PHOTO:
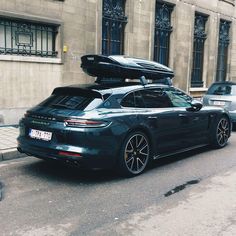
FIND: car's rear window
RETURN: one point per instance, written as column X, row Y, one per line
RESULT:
column 72, row 102
column 74, row 99
column 222, row 89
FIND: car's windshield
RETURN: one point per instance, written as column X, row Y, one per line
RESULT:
column 222, row 89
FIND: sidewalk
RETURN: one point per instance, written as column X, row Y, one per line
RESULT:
column 8, row 143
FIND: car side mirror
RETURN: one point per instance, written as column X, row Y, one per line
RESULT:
column 195, row 105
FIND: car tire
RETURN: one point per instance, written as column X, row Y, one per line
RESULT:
column 221, row 132
column 134, row 154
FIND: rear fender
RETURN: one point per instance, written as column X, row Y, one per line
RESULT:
column 144, row 130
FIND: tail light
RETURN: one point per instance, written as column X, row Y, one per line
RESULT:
column 69, row 154
column 86, row 123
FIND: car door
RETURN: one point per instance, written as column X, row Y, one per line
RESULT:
column 193, row 122
column 164, row 123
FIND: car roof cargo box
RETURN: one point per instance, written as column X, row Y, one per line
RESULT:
column 124, row 67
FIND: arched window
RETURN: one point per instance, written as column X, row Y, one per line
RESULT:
column 198, row 50
column 113, row 24
column 163, row 30
column 224, row 40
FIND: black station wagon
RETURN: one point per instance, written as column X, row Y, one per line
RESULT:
column 119, row 123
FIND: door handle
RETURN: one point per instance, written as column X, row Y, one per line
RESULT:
column 182, row 115
column 152, row 117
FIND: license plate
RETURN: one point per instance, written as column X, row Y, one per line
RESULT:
column 39, row 134
column 218, row 103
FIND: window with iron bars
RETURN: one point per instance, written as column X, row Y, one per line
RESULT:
column 198, row 50
column 163, row 30
column 113, row 25
column 223, row 47
column 19, row 37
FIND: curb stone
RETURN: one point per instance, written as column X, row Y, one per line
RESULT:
column 9, row 154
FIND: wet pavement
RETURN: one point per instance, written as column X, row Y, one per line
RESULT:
column 181, row 187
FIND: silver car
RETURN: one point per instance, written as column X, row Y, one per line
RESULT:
column 222, row 94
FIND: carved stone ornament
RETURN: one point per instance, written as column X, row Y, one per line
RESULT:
column 114, row 9
column 199, row 28
column 224, row 32
column 163, row 20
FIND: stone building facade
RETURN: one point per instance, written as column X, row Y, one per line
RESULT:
column 41, row 43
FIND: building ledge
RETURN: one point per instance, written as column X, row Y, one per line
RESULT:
column 198, row 89
column 31, row 59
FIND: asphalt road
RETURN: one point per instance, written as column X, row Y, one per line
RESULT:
column 40, row 198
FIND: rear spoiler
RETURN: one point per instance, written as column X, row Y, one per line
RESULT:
column 76, row 91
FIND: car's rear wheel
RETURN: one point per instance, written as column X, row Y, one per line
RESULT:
column 134, row 154
column 221, row 133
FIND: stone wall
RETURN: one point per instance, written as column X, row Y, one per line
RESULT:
column 25, row 80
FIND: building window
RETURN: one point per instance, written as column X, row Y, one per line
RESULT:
column 163, row 30
column 113, row 25
column 19, row 37
column 223, row 46
column 198, row 50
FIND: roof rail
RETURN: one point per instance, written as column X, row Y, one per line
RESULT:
column 143, row 80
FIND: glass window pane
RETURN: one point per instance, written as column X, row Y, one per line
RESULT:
column 198, row 50
column 179, row 98
column 224, row 40
column 155, row 98
column 163, row 30
column 2, row 41
column 128, row 101
column 113, row 25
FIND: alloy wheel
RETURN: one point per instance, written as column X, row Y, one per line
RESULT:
column 222, row 132
column 136, row 153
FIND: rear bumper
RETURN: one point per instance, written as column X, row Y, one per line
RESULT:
column 83, row 158
column 90, row 148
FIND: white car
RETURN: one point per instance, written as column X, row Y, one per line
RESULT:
column 222, row 94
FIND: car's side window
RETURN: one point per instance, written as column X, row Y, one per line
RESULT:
column 128, row 101
column 155, row 98
column 133, row 100
column 138, row 100
column 178, row 98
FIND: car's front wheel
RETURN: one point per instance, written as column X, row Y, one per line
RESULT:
column 134, row 154
column 221, row 132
